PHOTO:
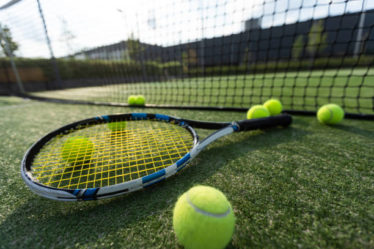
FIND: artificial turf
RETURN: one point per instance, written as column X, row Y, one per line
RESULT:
column 305, row 90
column 306, row 186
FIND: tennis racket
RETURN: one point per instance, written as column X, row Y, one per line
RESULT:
column 111, row 155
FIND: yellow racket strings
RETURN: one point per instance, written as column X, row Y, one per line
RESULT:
column 107, row 154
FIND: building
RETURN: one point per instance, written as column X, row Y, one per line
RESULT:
column 255, row 44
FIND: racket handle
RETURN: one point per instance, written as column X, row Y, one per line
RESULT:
column 263, row 123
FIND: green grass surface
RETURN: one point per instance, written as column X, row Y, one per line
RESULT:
column 307, row 186
column 353, row 89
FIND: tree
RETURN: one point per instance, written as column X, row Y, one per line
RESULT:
column 134, row 47
column 247, row 56
column 316, row 39
column 298, row 47
column 189, row 59
column 125, row 55
column 67, row 36
column 6, row 36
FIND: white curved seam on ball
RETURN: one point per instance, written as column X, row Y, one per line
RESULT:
column 331, row 114
column 205, row 212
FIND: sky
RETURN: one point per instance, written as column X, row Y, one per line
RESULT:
column 75, row 25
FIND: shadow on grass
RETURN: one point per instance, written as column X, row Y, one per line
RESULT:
column 356, row 130
column 60, row 224
column 7, row 102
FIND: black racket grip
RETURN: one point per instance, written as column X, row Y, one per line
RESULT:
column 263, row 123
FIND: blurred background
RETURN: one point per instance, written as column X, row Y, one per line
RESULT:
column 229, row 54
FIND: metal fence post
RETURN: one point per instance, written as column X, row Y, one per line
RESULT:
column 53, row 59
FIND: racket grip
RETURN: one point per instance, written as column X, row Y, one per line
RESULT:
column 263, row 123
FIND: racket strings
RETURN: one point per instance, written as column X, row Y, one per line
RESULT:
column 99, row 156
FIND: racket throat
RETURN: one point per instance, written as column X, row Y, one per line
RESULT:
column 210, row 139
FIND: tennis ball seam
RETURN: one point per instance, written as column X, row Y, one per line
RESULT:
column 203, row 212
column 331, row 115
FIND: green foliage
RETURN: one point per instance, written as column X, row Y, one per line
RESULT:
column 125, row 55
column 316, row 39
column 135, row 48
column 102, row 69
column 6, row 35
column 280, row 66
column 185, row 62
column 67, row 36
column 80, row 69
column 247, row 56
column 298, row 46
column 189, row 60
column 172, row 68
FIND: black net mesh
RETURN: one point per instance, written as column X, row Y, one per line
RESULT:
column 193, row 53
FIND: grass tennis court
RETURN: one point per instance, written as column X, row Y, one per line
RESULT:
column 307, row 186
column 298, row 90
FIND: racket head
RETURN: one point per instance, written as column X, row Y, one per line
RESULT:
column 109, row 162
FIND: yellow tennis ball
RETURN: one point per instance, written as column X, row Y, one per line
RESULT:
column 77, row 150
column 203, row 218
column 140, row 100
column 117, row 126
column 274, row 106
column 132, row 100
column 330, row 114
column 258, row 111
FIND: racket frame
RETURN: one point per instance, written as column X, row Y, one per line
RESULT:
column 61, row 194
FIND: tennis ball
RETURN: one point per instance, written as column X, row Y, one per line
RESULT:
column 274, row 106
column 117, row 126
column 77, row 149
column 258, row 111
column 330, row 114
column 203, row 218
column 140, row 100
column 132, row 100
